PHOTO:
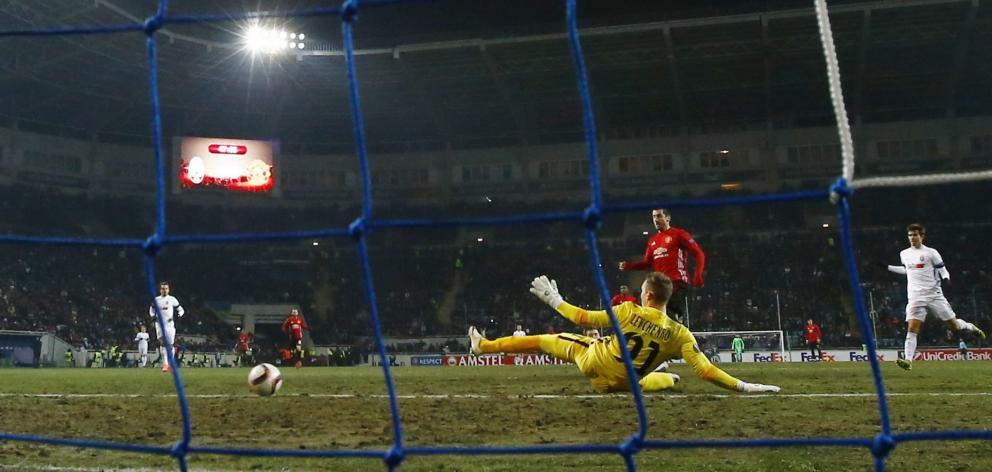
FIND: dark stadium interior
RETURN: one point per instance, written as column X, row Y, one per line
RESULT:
column 498, row 81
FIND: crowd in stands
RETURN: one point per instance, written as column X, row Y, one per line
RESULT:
column 764, row 262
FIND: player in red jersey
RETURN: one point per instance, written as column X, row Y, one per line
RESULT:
column 623, row 296
column 813, row 339
column 667, row 253
column 244, row 341
column 293, row 326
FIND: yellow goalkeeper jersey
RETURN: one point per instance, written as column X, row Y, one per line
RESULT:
column 652, row 338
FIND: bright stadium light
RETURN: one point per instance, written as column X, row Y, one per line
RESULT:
column 271, row 40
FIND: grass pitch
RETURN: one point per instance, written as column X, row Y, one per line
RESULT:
column 346, row 408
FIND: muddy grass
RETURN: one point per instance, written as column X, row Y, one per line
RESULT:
column 344, row 409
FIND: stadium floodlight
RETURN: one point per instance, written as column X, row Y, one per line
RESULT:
column 270, row 40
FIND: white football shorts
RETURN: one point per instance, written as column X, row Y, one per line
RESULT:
column 170, row 329
column 918, row 309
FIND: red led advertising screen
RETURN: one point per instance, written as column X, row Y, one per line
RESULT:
column 238, row 165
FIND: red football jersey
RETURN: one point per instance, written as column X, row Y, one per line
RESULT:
column 243, row 340
column 294, row 326
column 667, row 252
column 812, row 333
column 618, row 299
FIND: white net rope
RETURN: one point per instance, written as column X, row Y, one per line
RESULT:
column 844, row 126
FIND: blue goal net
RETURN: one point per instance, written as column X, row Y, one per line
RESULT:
column 840, row 194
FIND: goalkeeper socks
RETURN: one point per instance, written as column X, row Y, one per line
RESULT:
column 910, row 347
column 657, row 381
column 512, row 344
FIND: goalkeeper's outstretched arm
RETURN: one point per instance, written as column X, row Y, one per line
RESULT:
column 715, row 375
column 547, row 290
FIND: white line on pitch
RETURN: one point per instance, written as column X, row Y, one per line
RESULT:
column 55, row 468
column 521, row 397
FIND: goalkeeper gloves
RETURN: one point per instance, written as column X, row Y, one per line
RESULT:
column 756, row 388
column 546, row 290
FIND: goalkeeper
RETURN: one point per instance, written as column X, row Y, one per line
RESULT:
column 652, row 338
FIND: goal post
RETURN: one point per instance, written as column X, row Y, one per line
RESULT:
column 717, row 344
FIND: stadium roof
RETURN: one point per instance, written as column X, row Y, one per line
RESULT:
column 474, row 73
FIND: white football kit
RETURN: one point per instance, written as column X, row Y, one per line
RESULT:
column 924, row 268
column 170, row 308
column 142, row 340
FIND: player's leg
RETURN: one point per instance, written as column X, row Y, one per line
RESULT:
column 676, row 304
column 563, row 346
column 943, row 310
column 658, row 381
column 161, row 347
column 916, row 313
column 168, row 341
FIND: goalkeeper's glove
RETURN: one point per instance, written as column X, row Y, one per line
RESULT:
column 945, row 285
column 546, row 290
column 756, row 388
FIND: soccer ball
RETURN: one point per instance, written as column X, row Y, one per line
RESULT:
column 264, row 380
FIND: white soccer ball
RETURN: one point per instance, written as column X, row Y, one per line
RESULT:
column 264, row 380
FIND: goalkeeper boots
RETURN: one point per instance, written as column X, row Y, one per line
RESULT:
column 475, row 339
column 906, row 365
column 978, row 332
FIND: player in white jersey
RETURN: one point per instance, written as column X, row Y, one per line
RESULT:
column 142, row 339
column 170, row 308
column 925, row 271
